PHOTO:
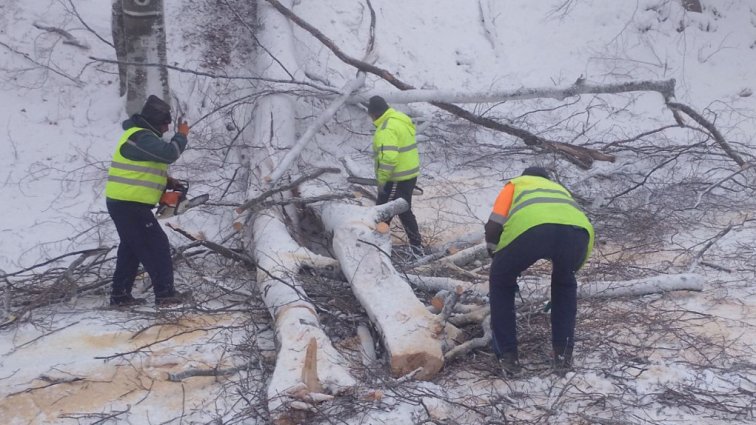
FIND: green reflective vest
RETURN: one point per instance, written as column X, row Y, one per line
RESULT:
column 394, row 148
column 136, row 181
column 536, row 201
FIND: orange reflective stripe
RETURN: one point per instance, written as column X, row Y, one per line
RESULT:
column 504, row 201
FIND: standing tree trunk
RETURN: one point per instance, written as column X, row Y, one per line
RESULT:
column 139, row 37
column 119, row 42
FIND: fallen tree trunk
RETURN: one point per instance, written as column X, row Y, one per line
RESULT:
column 664, row 87
column 307, row 365
column 296, row 322
column 649, row 285
column 410, row 333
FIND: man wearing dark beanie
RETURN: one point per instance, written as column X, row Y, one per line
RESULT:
column 397, row 162
column 535, row 218
column 137, row 177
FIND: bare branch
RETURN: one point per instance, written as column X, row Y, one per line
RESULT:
column 581, row 156
column 68, row 38
column 324, row 116
column 711, row 128
column 41, row 65
column 317, row 173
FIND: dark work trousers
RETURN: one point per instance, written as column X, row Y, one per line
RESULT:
column 142, row 241
column 403, row 189
column 566, row 247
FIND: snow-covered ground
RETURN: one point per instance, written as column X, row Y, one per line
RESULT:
column 667, row 358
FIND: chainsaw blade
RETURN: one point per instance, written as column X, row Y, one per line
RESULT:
column 183, row 206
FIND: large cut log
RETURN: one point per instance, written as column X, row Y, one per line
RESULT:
column 306, row 363
column 301, row 341
column 410, row 333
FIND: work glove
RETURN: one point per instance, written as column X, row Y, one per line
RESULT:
column 183, row 127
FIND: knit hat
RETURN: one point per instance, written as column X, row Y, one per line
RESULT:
column 537, row 172
column 156, row 112
column 377, row 106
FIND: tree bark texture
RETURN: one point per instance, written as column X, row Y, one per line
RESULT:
column 119, row 43
column 142, row 40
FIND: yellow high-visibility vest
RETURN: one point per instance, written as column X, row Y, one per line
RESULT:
column 537, row 201
column 136, row 181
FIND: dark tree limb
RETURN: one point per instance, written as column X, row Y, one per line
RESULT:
column 711, row 128
column 581, row 156
column 220, row 249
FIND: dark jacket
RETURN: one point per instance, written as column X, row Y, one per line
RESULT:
column 147, row 146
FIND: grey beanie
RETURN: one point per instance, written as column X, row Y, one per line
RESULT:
column 156, row 112
column 377, row 106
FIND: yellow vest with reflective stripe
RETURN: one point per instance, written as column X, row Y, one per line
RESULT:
column 537, row 201
column 395, row 138
column 136, row 181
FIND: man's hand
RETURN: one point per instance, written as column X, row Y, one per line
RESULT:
column 183, row 127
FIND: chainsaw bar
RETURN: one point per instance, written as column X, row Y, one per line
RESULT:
column 182, row 207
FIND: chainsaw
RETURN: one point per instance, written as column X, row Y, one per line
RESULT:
column 174, row 201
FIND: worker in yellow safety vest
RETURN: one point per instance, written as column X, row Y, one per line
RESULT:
column 535, row 218
column 397, row 162
column 137, row 177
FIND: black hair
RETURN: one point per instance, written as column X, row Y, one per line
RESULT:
column 537, row 172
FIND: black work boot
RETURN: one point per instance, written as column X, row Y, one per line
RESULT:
column 176, row 299
column 126, row 300
column 510, row 364
column 562, row 359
